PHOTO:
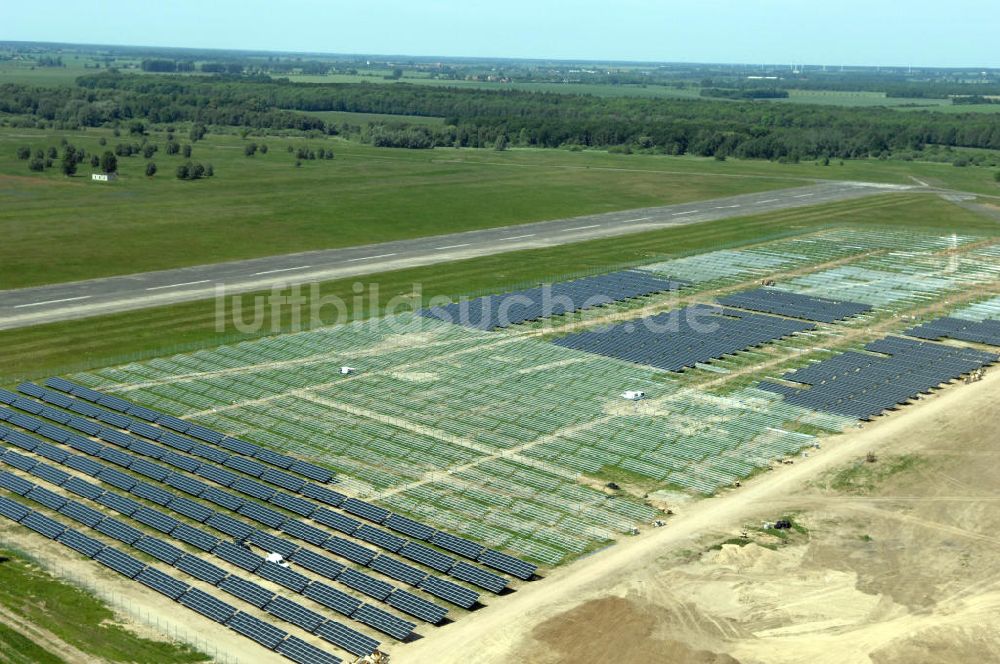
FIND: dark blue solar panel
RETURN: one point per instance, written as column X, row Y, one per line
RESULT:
column 60, row 384
column 312, row 471
column 400, row 571
column 384, row 621
column 248, row 591
column 304, row 532
column 508, row 564
column 114, row 419
column 205, row 434
column 274, row 458
column 8, row 397
column 190, row 509
column 18, row 461
column 143, row 413
column 213, row 454
column 245, row 465
column 145, row 430
column 238, row 446
column 171, row 439
column 117, row 457
column 450, row 592
column 30, row 389
column 28, row 406
column 300, row 652
column 316, row 563
column 159, row 549
column 45, row 497
column 152, row 493
column 114, row 403
column 80, row 543
column 147, row 450
column 238, row 556
column 292, row 504
column 427, row 556
column 120, row 562
column 365, row 584
column 83, row 464
column 116, row 478
column 487, row 580
column 58, row 416
column 283, row 576
column 51, row 452
column 222, row 498
column 12, row 482
column 261, row 514
column 380, row 538
column 54, row 433
column 348, row 639
column 459, row 545
column 230, row 526
column 409, row 527
column 331, row 598
column 84, row 409
column 207, row 605
column 251, row 488
column 216, row 474
column 294, row 613
column 118, row 530
column 50, row 474
column 365, row 510
column 24, row 421
column 174, row 423
column 84, row 445
column 188, row 485
column 22, row 440
column 263, row 633
column 336, row 520
column 417, row 607
column 162, row 583
column 349, row 550
column 84, row 426
column 284, row 480
column 322, row 494
column 200, row 569
column 195, row 537
column 13, row 510
column 181, row 461
column 272, row 544
column 156, row 520
column 118, row 503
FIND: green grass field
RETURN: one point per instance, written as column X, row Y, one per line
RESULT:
column 61, row 229
column 72, row 615
column 47, row 350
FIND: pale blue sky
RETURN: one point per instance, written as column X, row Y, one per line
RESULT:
column 851, row 32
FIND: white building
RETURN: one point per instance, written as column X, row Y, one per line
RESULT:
column 104, row 177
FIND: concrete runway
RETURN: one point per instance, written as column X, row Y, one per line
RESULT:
column 67, row 301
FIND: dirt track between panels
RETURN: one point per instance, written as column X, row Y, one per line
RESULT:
column 906, row 570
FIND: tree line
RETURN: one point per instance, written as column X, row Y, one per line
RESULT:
column 484, row 118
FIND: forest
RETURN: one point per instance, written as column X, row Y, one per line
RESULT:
column 730, row 127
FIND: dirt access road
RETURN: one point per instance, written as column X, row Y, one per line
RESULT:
column 909, row 574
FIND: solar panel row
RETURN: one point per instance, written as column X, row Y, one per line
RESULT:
column 786, row 303
column 864, row 385
column 499, row 311
column 297, row 505
column 682, row 338
column 272, row 518
column 980, row 332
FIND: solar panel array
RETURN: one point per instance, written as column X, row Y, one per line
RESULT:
column 980, row 332
column 863, row 385
column 794, row 305
column 266, row 634
column 498, row 311
column 682, row 338
column 202, row 569
column 501, row 562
